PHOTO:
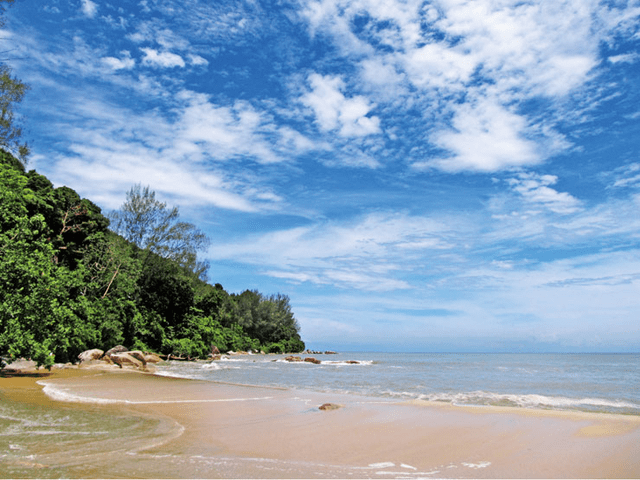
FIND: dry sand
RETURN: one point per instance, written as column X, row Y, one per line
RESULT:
column 196, row 429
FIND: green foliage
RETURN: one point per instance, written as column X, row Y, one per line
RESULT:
column 150, row 225
column 68, row 284
column 12, row 92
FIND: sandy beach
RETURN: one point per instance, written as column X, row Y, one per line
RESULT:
column 134, row 425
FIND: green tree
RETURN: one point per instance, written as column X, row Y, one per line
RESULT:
column 150, row 225
column 12, row 92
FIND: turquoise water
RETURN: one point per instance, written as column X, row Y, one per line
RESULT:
column 588, row 382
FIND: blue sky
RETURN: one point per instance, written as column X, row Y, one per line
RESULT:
column 444, row 175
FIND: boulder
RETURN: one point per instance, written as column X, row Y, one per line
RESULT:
column 152, row 358
column 214, row 350
column 352, row 362
column 116, row 349
column 291, row 358
column 138, row 354
column 20, row 366
column 124, row 359
column 312, row 360
column 93, row 354
column 329, row 406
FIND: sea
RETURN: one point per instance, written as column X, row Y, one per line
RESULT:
column 605, row 383
column 52, row 435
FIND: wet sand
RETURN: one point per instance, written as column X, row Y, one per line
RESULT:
column 160, row 427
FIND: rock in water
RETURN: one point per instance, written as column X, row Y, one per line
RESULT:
column 312, row 360
column 93, row 354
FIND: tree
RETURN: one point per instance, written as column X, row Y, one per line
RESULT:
column 151, row 226
column 12, row 92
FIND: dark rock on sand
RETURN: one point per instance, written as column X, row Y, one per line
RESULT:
column 329, row 406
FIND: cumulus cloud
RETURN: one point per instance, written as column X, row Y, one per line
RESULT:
column 123, row 63
column 458, row 58
column 334, row 111
column 158, row 59
column 89, row 8
column 486, row 137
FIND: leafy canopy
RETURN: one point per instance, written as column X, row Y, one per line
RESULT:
column 150, row 225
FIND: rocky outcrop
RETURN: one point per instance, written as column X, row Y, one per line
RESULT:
column 125, row 359
column 88, row 355
column 152, row 358
column 116, row 349
column 138, row 355
column 312, row 360
column 20, row 366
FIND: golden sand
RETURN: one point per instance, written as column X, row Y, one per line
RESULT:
column 200, row 429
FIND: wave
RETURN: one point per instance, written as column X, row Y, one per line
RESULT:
column 481, row 398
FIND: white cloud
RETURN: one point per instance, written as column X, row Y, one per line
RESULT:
column 124, row 63
column 627, row 176
column 89, row 8
column 485, row 137
column 197, row 60
column 334, row 111
column 362, row 253
column 155, row 58
column 624, row 58
column 536, row 189
column 459, row 57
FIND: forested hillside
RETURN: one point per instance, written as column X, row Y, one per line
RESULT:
column 68, row 283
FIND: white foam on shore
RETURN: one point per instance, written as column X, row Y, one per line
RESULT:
column 480, row 398
column 62, row 395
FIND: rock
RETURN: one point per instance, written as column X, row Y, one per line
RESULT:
column 291, row 358
column 216, row 357
column 139, row 355
column 214, row 350
column 262, row 352
column 352, row 362
column 152, row 358
column 312, row 360
column 20, row 366
column 329, row 352
column 116, row 349
column 329, row 406
column 93, row 354
column 124, row 359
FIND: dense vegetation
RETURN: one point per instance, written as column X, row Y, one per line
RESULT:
column 68, row 283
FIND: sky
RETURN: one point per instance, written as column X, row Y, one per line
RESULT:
column 425, row 176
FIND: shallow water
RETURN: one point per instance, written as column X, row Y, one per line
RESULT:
column 607, row 383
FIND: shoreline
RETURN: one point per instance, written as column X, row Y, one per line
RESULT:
column 199, row 429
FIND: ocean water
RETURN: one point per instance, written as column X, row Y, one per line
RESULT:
column 606, row 383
